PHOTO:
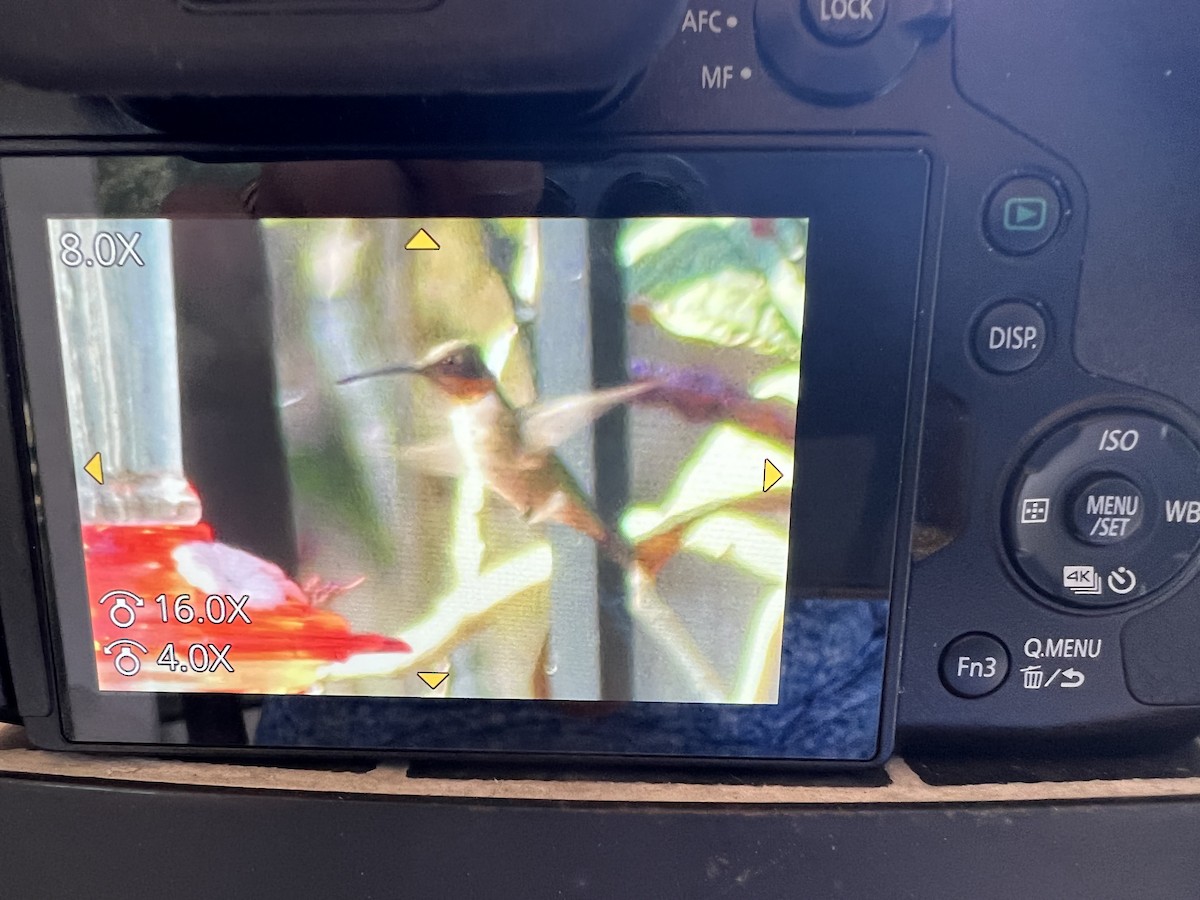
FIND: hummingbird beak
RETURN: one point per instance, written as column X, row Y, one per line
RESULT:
column 376, row 373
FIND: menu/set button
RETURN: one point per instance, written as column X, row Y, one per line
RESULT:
column 1010, row 337
column 1107, row 510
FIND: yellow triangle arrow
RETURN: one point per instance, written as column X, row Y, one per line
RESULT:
column 95, row 468
column 771, row 475
column 433, row 679
column 422, row 240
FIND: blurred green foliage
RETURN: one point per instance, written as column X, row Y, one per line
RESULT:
column 734, row 284
column 727, row 282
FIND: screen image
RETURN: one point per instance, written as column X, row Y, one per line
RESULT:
column 524, row 459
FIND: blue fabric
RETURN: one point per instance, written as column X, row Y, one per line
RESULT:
column 832, row 673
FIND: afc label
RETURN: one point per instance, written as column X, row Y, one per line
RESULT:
column 712, row 21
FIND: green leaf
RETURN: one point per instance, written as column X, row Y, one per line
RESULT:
column 725, row 466
column 753, row 544
column 642, row 237
column 730, row 309
column 705, row 246
column 714, row 281
column 782, row 383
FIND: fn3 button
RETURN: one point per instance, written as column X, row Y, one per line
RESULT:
column 974, row 665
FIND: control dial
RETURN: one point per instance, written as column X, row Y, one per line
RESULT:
column 845, row 51
column 1105, row 509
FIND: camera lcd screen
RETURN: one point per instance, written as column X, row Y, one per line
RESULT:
column 470, row 456
column 476, row 439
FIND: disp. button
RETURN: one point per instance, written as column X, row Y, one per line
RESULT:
column 1010, row 337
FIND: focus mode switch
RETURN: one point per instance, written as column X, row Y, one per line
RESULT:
column 1010, row 337
column 974, row 665
column 841, row 52
column 846, row 21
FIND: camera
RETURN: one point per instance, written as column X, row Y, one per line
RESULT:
column 702, row 384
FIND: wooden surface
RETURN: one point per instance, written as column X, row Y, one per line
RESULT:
column 391, row 779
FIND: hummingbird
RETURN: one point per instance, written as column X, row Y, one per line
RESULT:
column 513, row 448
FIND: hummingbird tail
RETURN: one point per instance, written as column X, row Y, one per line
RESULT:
column 654, row 552
column 570, row 508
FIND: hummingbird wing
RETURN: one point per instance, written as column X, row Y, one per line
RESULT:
column 439, row 457
column 546, row 425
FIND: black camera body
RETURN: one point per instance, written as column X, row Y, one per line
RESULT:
column 979, row 446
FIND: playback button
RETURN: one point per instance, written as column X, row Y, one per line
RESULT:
column 1022, row 215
